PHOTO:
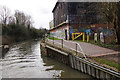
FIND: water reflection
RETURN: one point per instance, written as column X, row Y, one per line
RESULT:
column 66, row 71
column 24, row 60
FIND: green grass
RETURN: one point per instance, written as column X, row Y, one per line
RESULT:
column 54, row 38
column 111, row 46
column 93, row 42
column 107, row 62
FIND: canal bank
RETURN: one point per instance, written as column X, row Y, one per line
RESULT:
column 77, row 62
column 24, row 60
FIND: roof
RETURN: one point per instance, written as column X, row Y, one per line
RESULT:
column 58, row 26
column 55, row 6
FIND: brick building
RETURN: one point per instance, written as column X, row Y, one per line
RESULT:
column 75, row 17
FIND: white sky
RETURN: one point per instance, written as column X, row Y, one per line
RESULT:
column 40, row 10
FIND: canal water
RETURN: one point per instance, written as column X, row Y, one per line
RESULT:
column 24, row 60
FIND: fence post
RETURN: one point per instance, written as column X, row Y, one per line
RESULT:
column 53, row 39
column 76, row 48
column 62, row 43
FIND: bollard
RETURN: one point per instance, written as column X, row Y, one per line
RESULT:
column 87, row 36
column 95, row 37
column 83, row 37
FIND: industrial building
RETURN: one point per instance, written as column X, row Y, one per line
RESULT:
column 76, row 17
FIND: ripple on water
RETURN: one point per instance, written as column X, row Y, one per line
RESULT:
column 24, row 60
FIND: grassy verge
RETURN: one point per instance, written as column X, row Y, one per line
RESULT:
column 107, row 62
column 110, row 46
column 101, row 60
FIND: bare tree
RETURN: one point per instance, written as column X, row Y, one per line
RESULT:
column 23, row 19
column 116, row 22
column 110, row 12
column 28, row 22
column 11, row 20
column 4, row 15
column 20, row 17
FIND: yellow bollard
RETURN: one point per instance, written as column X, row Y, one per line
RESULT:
column 87, row 36
column 72, row 36
column 83, row 37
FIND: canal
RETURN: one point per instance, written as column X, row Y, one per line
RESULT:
column 24, row 60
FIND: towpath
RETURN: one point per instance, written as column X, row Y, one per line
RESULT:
column 89, row 49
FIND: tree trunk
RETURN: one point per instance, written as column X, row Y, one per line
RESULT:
column 118, row 35
column 117, row 30
column 116, row 22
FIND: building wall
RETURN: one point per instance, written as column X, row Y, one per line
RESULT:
column 60, row 32
column 81, row 17
column 94, row 28
column 60, row 13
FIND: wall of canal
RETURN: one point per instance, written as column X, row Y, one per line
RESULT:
column 78, row 63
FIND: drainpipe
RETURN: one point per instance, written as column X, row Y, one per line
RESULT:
column 67, row 21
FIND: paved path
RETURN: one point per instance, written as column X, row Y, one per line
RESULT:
column 89, row 49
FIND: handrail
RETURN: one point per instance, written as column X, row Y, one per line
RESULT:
column 72, row 48
column 80, row 49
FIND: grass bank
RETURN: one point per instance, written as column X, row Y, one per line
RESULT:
column 107, row 62
column 110, row 46
column 113, row 46
column 111, row 60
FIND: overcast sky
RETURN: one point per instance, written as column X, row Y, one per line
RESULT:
column 40, row 10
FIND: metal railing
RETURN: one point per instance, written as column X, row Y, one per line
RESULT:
column 79, row 47
column 61, row 42
column 77, row 58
